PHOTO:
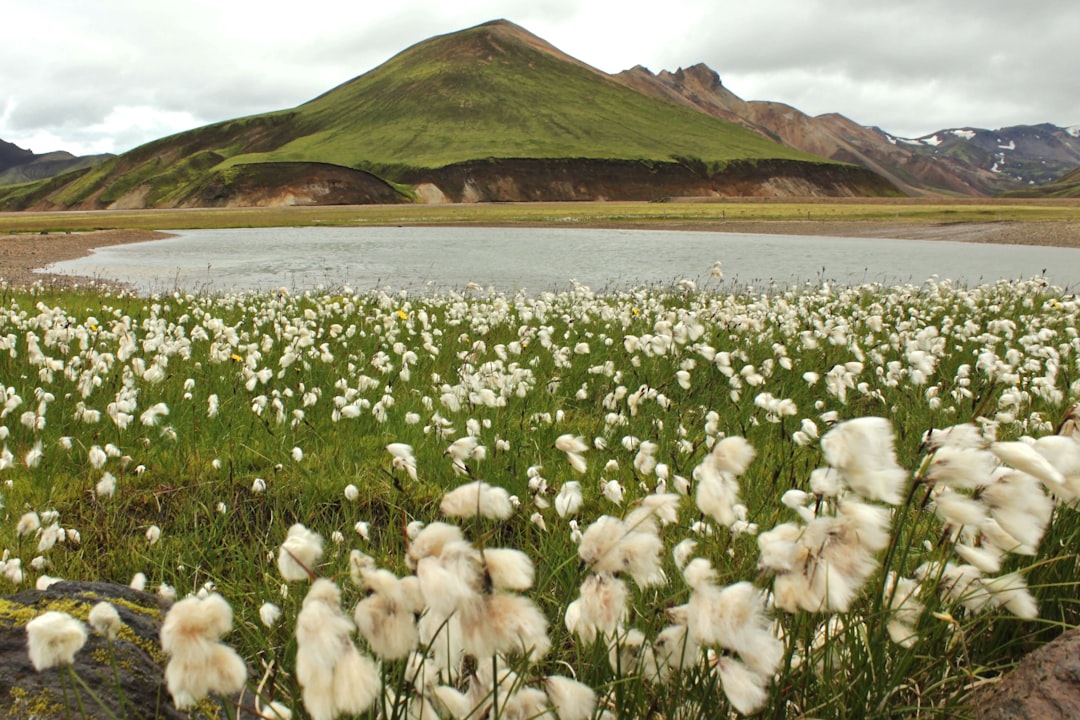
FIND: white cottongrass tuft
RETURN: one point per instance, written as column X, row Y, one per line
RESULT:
column 477, row 498
column 744, row 688
column 269, row 614
column 298, row 554
column 106, row 486
column 28, row 524
column 44, row 582
column 387, row 617
column 97, row 457
column 600, row 609
column 613, row 490
column 903, row 597
column 53, row 639
column 508, row 569
column 717, row 484
column 463, row 449
column 569, row 500
column 275, row 710
column 403, row 458
column 1025, row 457
column 574, row 447
column 862, row 451
column 733, row 454
column 610, row 545
column 683, row 552
column 105, row 620
column 199, row 664
column 334, row 677
column 571, row 699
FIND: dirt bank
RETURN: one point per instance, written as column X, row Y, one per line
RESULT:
column 20, row 255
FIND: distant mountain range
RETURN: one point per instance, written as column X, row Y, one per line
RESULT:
column 494, row 113
column 18, row 165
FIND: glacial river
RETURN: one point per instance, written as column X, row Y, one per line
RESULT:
column 433, row 259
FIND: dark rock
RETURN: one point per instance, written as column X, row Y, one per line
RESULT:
column 136, row 662
column 1045, row 685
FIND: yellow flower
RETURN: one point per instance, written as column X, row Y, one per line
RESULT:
column 236, row 358
column 403, row 315
column 635, row 311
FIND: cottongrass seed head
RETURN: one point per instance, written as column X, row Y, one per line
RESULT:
column 199, row 663
column 53, row 639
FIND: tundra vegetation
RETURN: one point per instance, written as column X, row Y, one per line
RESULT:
column 676, row 213
column 659, row 502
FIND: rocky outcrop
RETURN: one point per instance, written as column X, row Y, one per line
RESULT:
column 1045, row 685
column 133, row 662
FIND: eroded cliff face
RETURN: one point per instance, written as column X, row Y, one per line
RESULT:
column 532, row 180
column 492, row 180
column 281, row 184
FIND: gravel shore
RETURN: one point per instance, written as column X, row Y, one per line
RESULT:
column 21, row 255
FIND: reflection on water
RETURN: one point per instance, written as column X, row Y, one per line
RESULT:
column 429, row 259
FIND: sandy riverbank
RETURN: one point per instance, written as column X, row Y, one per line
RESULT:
column 22, row 254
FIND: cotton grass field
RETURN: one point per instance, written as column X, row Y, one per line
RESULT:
column 669, row 503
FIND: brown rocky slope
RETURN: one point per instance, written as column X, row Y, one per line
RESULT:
column 831, row 136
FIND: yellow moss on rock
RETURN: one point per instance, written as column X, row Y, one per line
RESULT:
column 20, row 614
column 44, row 704
column 79, row 608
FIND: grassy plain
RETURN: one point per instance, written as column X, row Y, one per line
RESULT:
column 677, row 213
column 222, row 420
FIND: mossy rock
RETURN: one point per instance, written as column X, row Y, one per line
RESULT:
column 133, row 663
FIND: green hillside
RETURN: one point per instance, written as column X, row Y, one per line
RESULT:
column 492, row 91
column 1067, row 186
column 496, row 91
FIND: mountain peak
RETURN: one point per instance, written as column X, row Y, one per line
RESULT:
column 503, row 26
column 703, row 74
column 498, row 36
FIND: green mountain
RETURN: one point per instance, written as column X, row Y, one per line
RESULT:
column 487, row 113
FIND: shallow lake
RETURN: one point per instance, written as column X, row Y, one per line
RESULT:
column 432, row 259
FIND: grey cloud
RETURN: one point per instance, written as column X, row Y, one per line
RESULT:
column 998, row 61
column 911, row 67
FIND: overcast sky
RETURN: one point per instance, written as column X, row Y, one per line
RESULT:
column 93, row 76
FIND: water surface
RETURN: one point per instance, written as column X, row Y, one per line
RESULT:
column 431, row 259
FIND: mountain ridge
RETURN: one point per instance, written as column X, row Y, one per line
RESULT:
column 919, row 166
